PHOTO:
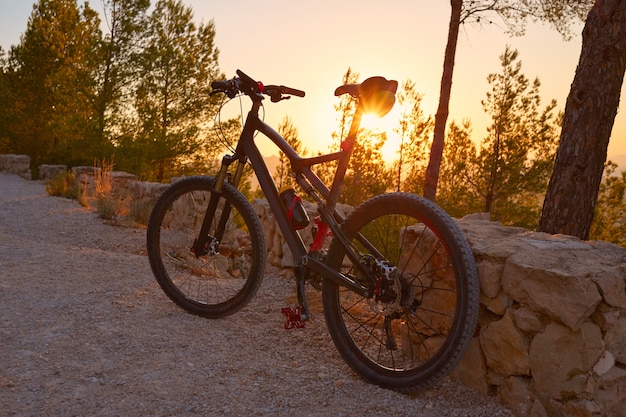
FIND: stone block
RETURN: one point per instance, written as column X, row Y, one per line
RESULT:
column 490, row 275
column 527, row 320
column 561, row 359
column 505, row 347
column 615, row 340
column 541, row 282
column 47, row 172
column 471, row 371
column 516, row 394
column 16, row 164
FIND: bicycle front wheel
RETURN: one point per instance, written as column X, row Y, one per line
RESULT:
column 424, row 309
column 222, row 280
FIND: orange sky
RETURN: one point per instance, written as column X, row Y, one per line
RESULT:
column 309, row 46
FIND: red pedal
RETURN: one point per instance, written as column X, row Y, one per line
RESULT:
column 294, row 317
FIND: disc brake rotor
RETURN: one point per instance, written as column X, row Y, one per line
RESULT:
column 387, row 295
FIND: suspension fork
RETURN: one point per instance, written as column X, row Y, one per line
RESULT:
column 205, row 243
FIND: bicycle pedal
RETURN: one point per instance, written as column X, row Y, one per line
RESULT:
column 295, row 319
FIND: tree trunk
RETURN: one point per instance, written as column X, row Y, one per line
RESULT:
column 436, row 150
column 587, row 123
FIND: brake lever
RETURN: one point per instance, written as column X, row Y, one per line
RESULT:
column 279, row 98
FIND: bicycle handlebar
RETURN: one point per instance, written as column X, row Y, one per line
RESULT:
column 248, row 86
column 376, row 94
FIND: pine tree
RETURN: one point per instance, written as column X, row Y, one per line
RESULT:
column 609, row 220
column 116, row 76
column 513, row 14
column 515, row 158
column 456, row 194
column 367, row 175
column 4, row 110
column 172, row 100
column 415, row 130
column 47, row 81
column 282, row 177
column 590, row 111
column 345, row 109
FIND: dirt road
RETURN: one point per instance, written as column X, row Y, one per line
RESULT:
column 85, row 331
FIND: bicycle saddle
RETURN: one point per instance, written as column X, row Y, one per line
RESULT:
column 376, row 94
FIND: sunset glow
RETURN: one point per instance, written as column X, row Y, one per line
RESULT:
column 309, row 46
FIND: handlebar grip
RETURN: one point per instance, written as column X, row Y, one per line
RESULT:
column 222, row 85
column 294, row 92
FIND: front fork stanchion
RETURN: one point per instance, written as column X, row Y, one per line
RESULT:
column 200, row 245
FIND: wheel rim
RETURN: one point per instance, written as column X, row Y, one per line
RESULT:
column 409, row 330
column 212, row 279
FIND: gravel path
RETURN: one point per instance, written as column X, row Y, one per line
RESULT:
column 85, row 331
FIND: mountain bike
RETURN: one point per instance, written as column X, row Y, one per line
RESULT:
column 399, row 284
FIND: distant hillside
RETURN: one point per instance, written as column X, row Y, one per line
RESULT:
column 271, row 162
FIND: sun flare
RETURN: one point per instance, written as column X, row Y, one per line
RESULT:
column 388, row 124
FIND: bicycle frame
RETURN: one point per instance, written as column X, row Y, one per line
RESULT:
column 401, row 316
column 247, row 150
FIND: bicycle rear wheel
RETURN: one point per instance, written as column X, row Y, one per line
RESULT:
column 424, row 311
column 222, row 281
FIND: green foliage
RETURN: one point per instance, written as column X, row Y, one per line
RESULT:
column 117, row 73
column 415, row 130
column 172, row 99
column 107, row 207
column 507, row 174
column 282, row 177
column 345, row 109
column 609, row 221
column 139, row 211
column 47, row 83
column 513, row 164
column 138, row 94
column 456, row 195
column 367, row 175
column 514, row 14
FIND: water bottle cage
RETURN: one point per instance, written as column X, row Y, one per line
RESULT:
column 295, row 200
column 296, row 203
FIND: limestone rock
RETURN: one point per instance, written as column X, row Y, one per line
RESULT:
column 516, row 394
column 612, row 285
column 505, row 347
column 497, row 304
column 47, row 172
column 543, row 282
column 560, row 359
column 16, row 164
column 616, row 340
column 527, row 320
column 582, row 408
column 611, row 392
column 490, row 275
column 472, row 369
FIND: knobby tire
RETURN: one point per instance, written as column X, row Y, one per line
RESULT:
column 420, row 323
column 221, row 282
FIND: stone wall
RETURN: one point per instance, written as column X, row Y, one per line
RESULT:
column 552, row 339
column 47, row 172
column 552, row 333
column 16, row 164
